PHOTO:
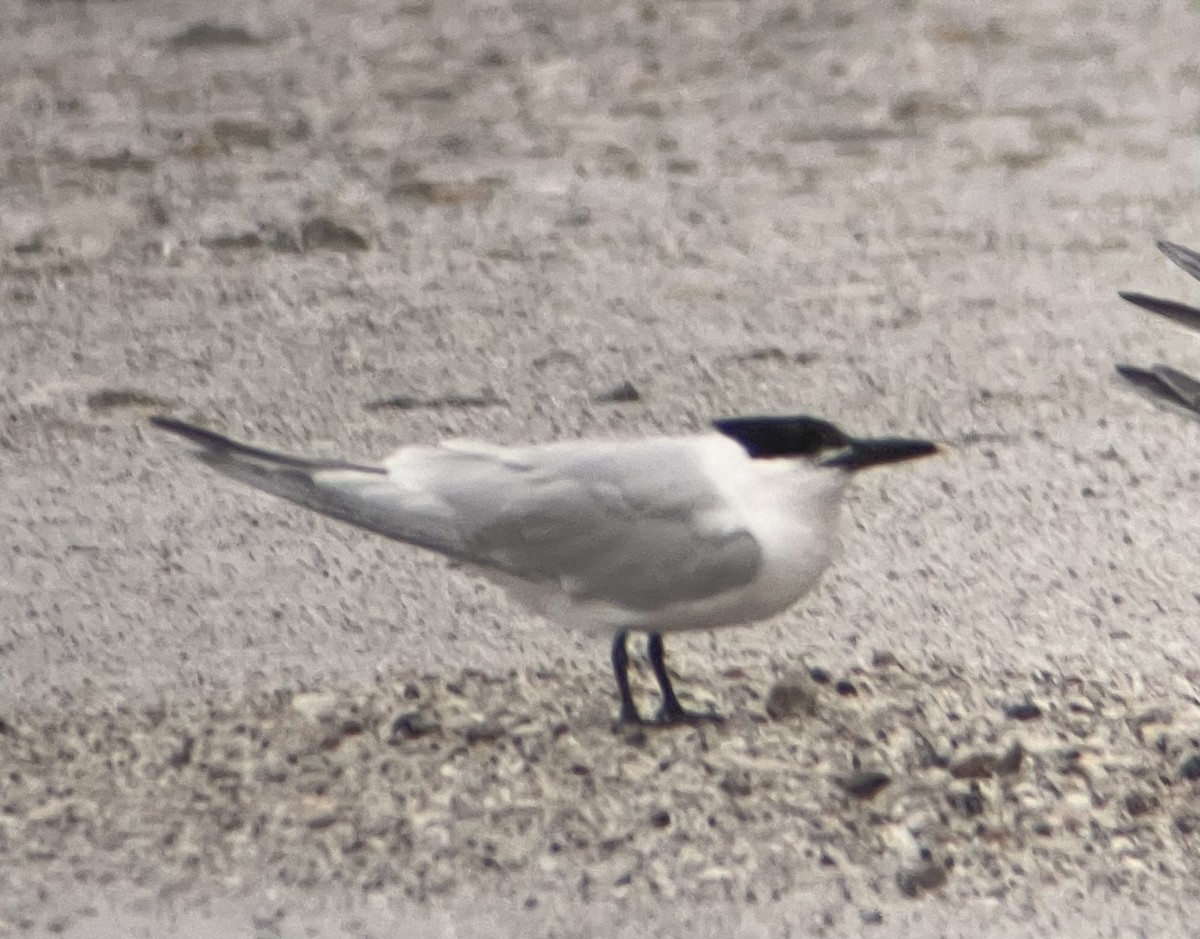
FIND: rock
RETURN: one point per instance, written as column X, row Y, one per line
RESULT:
column 969, row 802
column 1010, row 762
column 208, row 34
column 408, row 725
column 482, row 731
column 183, row 755
column 317, row 812
column 864, row 784
column 621, row 393
column 975, row 766
column 736, row 783
column 1026, row 711
column 926, row 753
column 350, row 727
column 794, row 695
column 1138, row 803
column 119, row 161
column 323, row 232
column 914, row 881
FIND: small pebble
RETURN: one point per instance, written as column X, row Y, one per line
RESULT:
column 916, row 880
column 968, row 803
column 410, row 724
column 926, row 753
column 736, row 783
column 623, row 392
column 792, row 696
column 1010, row 763
column 864, row 784
column 482, row 731
column 1028, row 711
column 975, row 766
column 1138, row 803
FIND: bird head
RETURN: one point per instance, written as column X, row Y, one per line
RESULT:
column 819, row 441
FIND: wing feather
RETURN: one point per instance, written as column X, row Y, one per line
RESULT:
column 635, row 524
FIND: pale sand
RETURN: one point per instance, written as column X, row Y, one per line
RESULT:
column 909, row 219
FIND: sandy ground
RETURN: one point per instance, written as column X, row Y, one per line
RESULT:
column 222, row 716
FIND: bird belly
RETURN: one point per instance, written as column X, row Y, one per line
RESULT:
column 792, row 565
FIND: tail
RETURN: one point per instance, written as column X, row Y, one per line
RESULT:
column 218, row 451
column 352, row 492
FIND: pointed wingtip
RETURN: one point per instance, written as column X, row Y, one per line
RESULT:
column 206, row 438
column 1185, row 258
column 1164, row 383
column 1180, row 313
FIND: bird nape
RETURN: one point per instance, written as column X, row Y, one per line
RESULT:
column 654, row 535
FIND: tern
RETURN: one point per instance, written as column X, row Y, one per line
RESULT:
column 1162, row 380
column 655, row 535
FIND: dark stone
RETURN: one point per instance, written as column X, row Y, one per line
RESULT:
column 323, row 232
column 975, row 766
column 791, row 696
column 1138, row 803
column 1010, row 763
column 619, row 394
column 411, row 724
column 1028, row 711
column 969, row 803
column 916, row 880
column 864, row 784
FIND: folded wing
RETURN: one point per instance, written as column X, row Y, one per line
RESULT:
column 636, row 524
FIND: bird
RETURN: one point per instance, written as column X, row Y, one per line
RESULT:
column 611, row 536
column 1163, row 381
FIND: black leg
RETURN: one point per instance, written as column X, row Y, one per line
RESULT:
column 671, row 712
column 620, row 662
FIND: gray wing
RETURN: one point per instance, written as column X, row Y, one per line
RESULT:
column 635, row 524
